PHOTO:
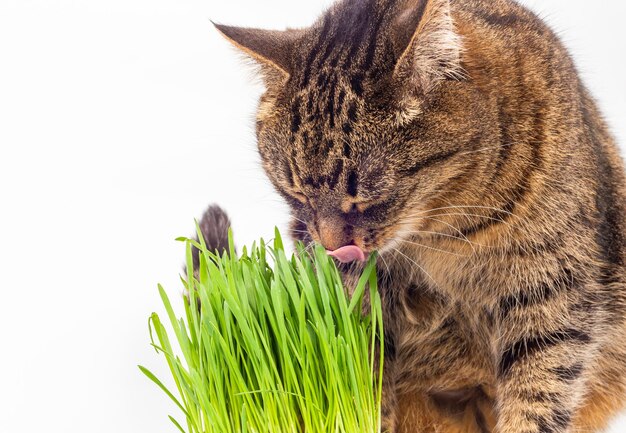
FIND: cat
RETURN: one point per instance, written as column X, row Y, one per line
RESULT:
column 456, row 138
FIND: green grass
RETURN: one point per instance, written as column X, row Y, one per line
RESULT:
column 277, row 345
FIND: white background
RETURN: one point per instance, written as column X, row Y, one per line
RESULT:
column 120, row 120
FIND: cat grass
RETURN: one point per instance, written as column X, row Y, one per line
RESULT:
column 272, row 342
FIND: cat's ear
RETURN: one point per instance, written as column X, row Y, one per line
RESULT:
column 271, row 49
column 429, row 44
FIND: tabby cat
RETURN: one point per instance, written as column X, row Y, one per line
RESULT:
column 456, row 138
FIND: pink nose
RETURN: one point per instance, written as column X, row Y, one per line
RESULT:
column 348, row 254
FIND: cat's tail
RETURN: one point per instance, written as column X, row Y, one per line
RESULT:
column 214, row 226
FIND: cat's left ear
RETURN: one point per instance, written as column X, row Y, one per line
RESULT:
column 429, row 44
column 271, row 49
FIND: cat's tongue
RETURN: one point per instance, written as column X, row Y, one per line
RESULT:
column 348, row 254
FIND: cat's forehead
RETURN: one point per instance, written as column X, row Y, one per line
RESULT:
column 350, row 41
column 329, row 119
column 332, row 138
column 330, row 104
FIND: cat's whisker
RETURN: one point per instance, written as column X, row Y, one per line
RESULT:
column 299, row 231
column 412, row 221
column 386, row 266
column 418, row 265
column 299, row 220
column 430, row 248
column 309, row 247
column 498, row 210
column 469, row 242
column 465, row 215
column 444, row 235
column 495, row 209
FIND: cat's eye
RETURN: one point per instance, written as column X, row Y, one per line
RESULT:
column 360, row 206
column 299, row 196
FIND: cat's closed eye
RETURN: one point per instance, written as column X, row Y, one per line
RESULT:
column 359, row 205
column 298, row 195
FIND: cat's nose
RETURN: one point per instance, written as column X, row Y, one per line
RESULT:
column 332, row 233
column 337, row 239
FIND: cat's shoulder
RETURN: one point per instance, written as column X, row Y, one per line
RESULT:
column 498, row 14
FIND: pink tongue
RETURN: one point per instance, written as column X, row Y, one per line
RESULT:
column 348, row 254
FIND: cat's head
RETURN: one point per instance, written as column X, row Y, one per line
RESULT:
column 364, row 119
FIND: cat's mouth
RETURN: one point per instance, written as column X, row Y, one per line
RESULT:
column 348, row 254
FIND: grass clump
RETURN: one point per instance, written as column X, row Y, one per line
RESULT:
column 277, row 345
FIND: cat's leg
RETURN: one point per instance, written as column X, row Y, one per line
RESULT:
column 420, row 412
column 440, row 369
column 606, row 395
column 541, row 375
column 600, row 406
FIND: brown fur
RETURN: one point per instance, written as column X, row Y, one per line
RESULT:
column 457, row 139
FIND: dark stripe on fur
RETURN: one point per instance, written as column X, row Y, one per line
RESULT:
column 352, row 112
column 296, row 119
column 352, row 187
column 526, row 347
column 308, row 64
column 432, row 160
column 371, row 47
column 346, row 150
column 519, row 194
column 356, row 83
column 340, row 101
column 533, row 296
column 330, row 106
column 610, row 236
column 569, row 374
column 501, row 20
column 506, row 142
column 334, row 177
column 557, row 423
column 540, row 397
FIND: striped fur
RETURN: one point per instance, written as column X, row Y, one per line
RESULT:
column 455, row 137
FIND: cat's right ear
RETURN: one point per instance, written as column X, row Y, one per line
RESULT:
column 272, row 50
column 430, row 45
